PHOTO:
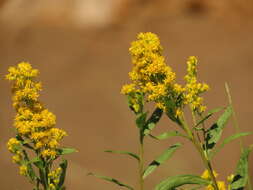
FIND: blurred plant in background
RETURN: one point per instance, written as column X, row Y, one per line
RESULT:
column 37, row 141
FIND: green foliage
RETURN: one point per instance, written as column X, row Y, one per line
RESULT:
column 124, row 152
column 153, row 120
column 167, row 135
column 161, row 159
column 215, row 131
column 112, row 180
column 228, row 140
column 241, row 174
column 63, row 151
column 172, row 183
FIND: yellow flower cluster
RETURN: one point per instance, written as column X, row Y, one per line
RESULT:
column 34, row 124
column 54, row 177
column 193, row 88
column 221, row 184
column 14, row 146
column 150, row 75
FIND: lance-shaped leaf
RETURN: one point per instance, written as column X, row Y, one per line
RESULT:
column 161, row 159
column 167, row 135
column 153, row 120
column 124, row 152
column 215, row 131
column 228, row 140
column 176, row 181
column 241, row 175
column 112, row 180
column 209, row 114
column 63, row 151
column 141, row 120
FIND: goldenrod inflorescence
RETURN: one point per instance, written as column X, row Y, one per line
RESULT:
column 36, row 131
column 34, row 123
column 152, row 78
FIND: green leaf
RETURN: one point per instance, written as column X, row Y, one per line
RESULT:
column 228, row 140
column 170, row 107
column 153, row 120
column 168, row 135
column 215, row 131
column 141, row 120
column 176, row 181
column 115, row 181
column 241, row 175
column 161, row 159
column 63, row 166
column 63, row 151
column 124, row 152
column 209, row 114
column 37, row 162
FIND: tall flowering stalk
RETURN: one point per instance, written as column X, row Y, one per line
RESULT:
column 37, row 142
column 154, row 81
column 151, row 81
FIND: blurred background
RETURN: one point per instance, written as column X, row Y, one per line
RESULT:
column 81, row 50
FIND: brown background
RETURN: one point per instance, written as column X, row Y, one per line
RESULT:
column 81, row 50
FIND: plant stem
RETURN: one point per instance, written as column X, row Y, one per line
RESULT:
column 236, row 125
column 141, row 164
column 202, row 153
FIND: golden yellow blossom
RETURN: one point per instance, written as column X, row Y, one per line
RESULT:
column 34, row 123
column 13, row 145
column 193, row 88
column 23, row 170
column 150, row 76
column 221, row 184
column 207, row 175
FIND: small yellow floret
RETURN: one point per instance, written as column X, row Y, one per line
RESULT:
column 23, row 170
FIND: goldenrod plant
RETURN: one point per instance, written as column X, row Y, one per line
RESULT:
column 146, row 49
column 152, row 81
column 37, row 142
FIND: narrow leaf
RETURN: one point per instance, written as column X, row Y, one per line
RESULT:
column 176, row 181
column 241, row 175
column 209, row 114
column 215, row 131
column 153, row 120
column 161, row 159
column 37, row 162
column 141, row 119
column 115, row 181
column 228, row 140
column 168, row 135
column 124, row 152
column 63, row 151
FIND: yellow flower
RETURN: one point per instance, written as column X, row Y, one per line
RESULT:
column 47, row 153
column 23, row 170
column 221, row 184
column 16, row 158
column 34, row 123
column 207, row 175
column 193, row 88
column 230, row 178
column 13, row 145
column 150, row 75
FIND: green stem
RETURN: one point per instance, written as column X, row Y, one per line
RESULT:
column 236, row 125
column 202, row 153
column 141, row 163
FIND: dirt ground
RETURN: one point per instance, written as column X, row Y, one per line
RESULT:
column 83, row 68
